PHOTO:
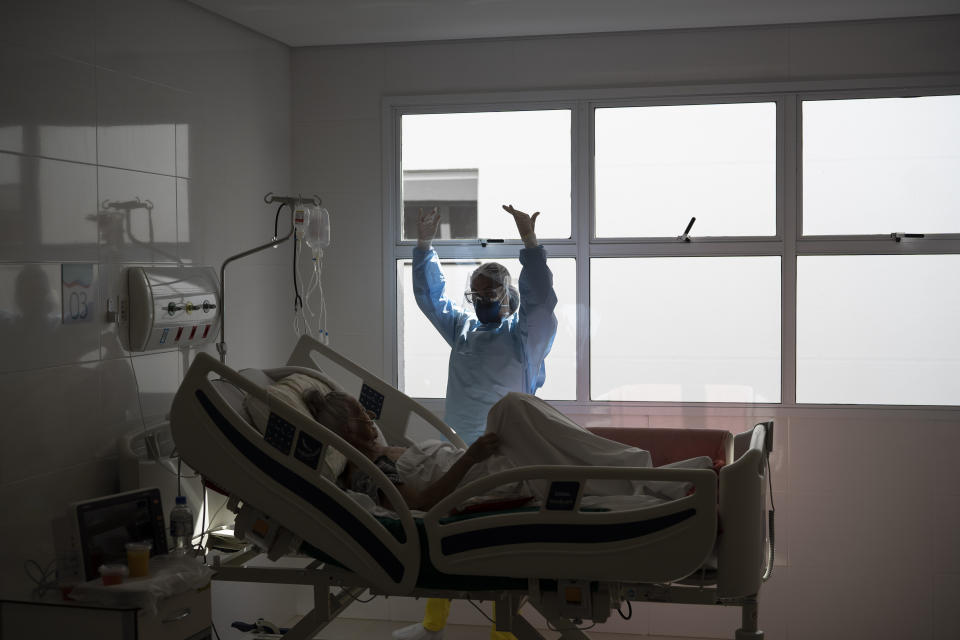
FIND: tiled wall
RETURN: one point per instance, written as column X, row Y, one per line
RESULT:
column 867, row 506
column 113, row 100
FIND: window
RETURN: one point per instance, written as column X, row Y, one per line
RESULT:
column 821, row 268
column 878, row 329
column 876, row 319
column 685, row 329
column 688, row 327
column 881, row 165
column 658, row 166
column 469, row 164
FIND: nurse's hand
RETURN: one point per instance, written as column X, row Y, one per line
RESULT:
column 525, row 224
column 427, row 225
column 485, row 446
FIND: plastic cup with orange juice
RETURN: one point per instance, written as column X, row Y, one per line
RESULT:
column 138, row 558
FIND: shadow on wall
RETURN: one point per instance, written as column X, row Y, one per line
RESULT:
column 32, row 331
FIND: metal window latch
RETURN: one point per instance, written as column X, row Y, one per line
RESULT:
column 685, row 236
column 483, row 241
column 897, row 236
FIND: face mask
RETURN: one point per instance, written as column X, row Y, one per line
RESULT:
column 487, row 310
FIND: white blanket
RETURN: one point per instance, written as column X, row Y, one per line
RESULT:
column 534, row 433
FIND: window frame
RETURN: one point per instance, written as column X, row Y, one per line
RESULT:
column 939, row 242
column 744, row 98
column 583, row 244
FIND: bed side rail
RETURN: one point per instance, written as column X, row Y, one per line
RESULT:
column 279, row 475
column 396, row 408
column 656, row 543
column 743, row 514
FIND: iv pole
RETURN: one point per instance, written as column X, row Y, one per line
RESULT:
column 288, row 201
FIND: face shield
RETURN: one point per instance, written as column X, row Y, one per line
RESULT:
column 489, row 291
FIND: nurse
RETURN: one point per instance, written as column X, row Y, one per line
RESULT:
column 499, row 348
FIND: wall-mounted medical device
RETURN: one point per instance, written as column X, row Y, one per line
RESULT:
column 168, row 307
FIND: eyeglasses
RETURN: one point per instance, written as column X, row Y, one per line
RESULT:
column 490, row 294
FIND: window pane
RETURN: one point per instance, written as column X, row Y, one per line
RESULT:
column 656, row 167
column 878, row 329
column 881, row 165
column 469, row 164
column 685, row 329
column 424, row 355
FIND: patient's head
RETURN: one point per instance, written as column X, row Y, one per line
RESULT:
column 345, row 416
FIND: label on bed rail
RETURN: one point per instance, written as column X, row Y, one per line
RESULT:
column 308, row 450
column 372, row 400
column 563, row 495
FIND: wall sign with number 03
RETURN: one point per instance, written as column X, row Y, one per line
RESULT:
column 79, row 295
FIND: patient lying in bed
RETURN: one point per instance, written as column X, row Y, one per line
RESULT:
column 346, row 416
column 522, row 430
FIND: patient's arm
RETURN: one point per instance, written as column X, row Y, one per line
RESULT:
column 393, row 453
column 483, row 448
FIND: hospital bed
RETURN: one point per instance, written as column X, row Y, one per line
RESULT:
column 571, row 563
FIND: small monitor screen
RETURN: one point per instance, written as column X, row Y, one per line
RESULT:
column 107, row 524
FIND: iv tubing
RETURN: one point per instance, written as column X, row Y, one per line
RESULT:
column 311, row 285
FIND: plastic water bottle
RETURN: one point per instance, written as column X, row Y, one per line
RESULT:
column 181, row 527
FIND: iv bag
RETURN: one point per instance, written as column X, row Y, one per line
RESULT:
column 318, row 228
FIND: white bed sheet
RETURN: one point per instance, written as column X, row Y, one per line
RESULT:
column 532, row 432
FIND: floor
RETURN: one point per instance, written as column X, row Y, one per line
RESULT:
column 355, row 629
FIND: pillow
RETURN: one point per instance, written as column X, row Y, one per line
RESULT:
column 289, row 390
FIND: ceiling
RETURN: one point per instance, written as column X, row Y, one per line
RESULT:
column 302, row 23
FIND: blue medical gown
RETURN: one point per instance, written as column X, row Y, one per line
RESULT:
column 487, row 361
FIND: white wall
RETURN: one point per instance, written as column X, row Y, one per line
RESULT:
column 867, row 508
column 112, row 100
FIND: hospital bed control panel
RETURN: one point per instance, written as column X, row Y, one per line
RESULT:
column 372, row 400
column 169, row 307
column 279, row 433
